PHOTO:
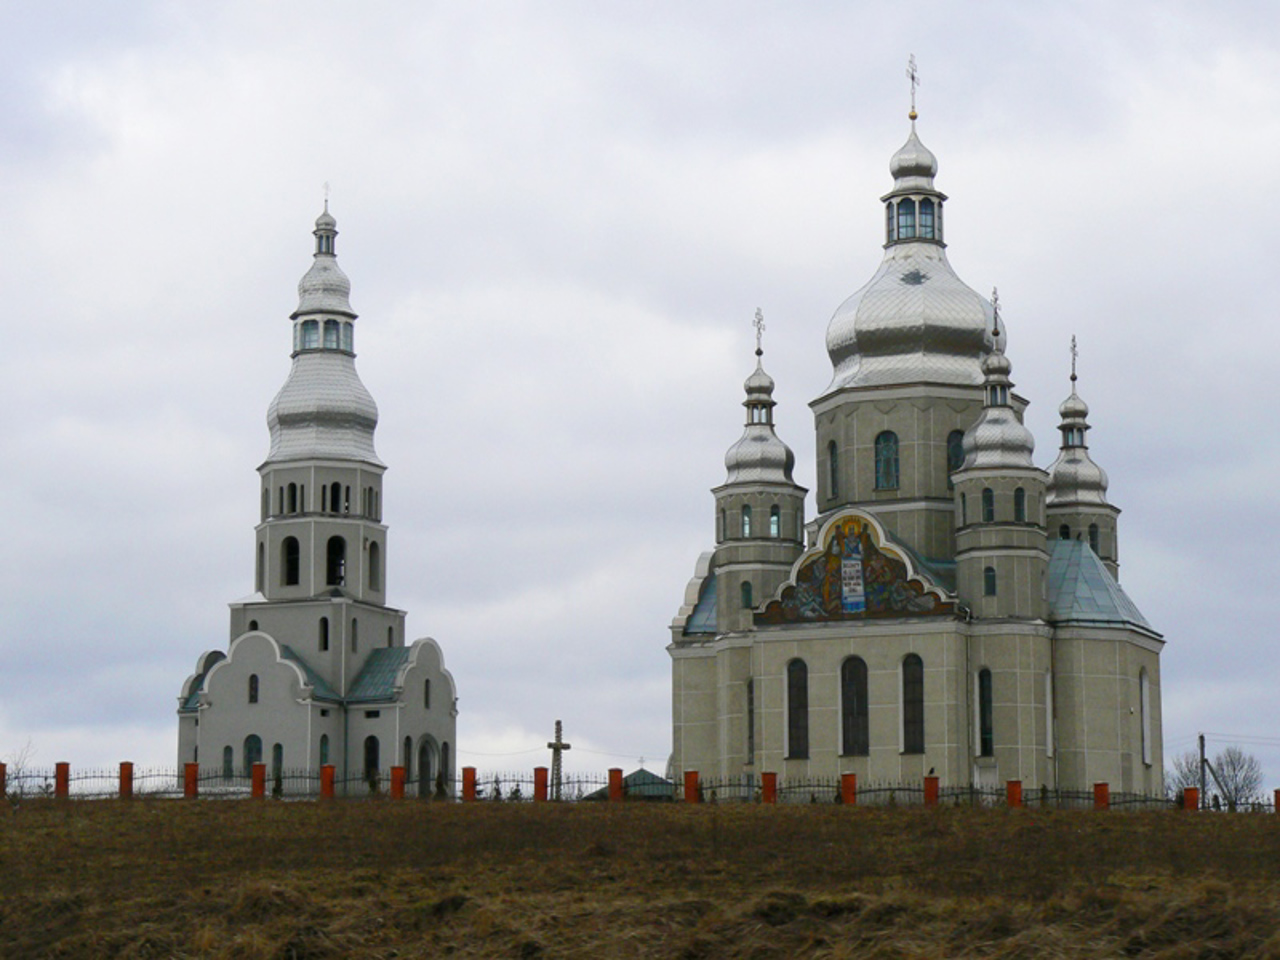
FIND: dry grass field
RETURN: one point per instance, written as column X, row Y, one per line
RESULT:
column 358, row 879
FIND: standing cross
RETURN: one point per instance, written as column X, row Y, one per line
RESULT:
column 1074, row 353
column 914, row 77
column 557, row 747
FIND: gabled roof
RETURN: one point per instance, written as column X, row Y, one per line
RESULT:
column 320, row 689
column 640, row 783
column 378, row 678
column 1082, row 590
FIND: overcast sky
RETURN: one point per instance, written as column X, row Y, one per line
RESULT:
column 558, row 220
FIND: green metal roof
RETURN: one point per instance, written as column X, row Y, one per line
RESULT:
column 320, row 689
column 377, row 680
column 1082, row 590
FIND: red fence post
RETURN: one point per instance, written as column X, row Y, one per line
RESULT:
column 615, row 784
column 327, row 775
column 849, row 789
column 539, row 784
column 1191, row 798
column 259, row 788
column 468, row 784
column 930, row 791
column 1276, row 806
column 1013, row 793
column 691, row 790
column 4, row 773
column 126, row 780
column 769, row 787
column 190, row 780
column 62, row 780
column 1102, row 796
column 397, row 783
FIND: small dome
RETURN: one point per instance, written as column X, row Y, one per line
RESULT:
column 1073, row 408
column 759, row 383
column 324, row 289
column 759, row 456
column 996, row 365
column 998, row 438
column 1075, row 479
column 913, row 159
column 325, row 221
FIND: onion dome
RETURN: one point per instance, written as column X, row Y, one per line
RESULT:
column 1074, row 478
column 997, row 439
column 324, row 288
column 759, row 456
column 323, row 411
column 915, row 320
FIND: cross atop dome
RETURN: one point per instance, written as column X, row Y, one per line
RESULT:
column 914, row 77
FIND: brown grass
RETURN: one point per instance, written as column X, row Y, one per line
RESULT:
column 243, row 879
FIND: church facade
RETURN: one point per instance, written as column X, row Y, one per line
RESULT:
column 951, row 608
column 318, row 670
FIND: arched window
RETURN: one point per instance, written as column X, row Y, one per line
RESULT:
column 324, row 634
column 277, row 761
column 833, row 469
column 926, row 219
column 1144, row 711
column 252, row 753
column 1020, row 506
column 1064, row 532
column 751, row 720
column 336, row 562
column 335, row 498
column 775, row 521
column 988, row 505
column 964, row 510
column 797, row 710
column 906, row 219
column 260, row 574
column 310, row 334
column 426, row 694
column 253, row 688
column 371, row 760
column 293, row 498
column 912, row 704
column 291, row 561
column 375, row 567
column 1094, row 539
column 324, row 749
column 747, row 603
column 391, row 636
column 955, row 452
column 355, row 635
column 986, row 739
column 253, row 624
column 854, row 738
column 988, row 581
column 228, row 763
column 887, row 461
column 331, row 334
column 746, row 520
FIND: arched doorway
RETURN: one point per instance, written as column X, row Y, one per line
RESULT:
column 371, row 761
column 252, row 752
column 426, row 767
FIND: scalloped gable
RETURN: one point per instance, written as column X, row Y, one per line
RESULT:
column 855, row 572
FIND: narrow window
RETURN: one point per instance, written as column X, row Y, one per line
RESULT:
column 371, row 764
column 310, row 334
column 346, row 499
column 324, row 498
column 252, row 753
column 926, row 219
column 797, row 710
column 253, row 688
column 887, row 461
column 1144, row 709
column 331, row 334
column 1020, row 506
column 1093, row 539
column 375, row 567
column 906, row 219
column 324, row 634
column 261, row 573
column 391, row 636
column 964, row 510
column 228, row 763
column 986, row 739
column 277, row 761
column 955, row 452
column 746, row 520
column 408, row 759
column 426, row 694
column 348, row 338
column 293, row 498
column 281, row 501
column 335, row 497
column 988, row 505
column 355, row 635
column 912, row 704
column 890, row 233
column 1064, row 532
column 988, row 581
column 336, row 562
column 324, row 749
column 854, row 735
column 833, row 469
column 291, row 561
column 297, row 337
column 751, row 720
column 746, row 595
column 775, row 521
column 302, row 497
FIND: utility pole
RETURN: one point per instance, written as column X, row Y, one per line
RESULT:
column 1204, row 799
column 557, row 747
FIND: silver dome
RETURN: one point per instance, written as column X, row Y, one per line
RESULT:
column 998, row 438
column 914, row 166
column 324, row 288
column 1074, row 478
column 759, row 456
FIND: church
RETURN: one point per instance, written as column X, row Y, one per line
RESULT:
column 318, row 670
column 952, row 608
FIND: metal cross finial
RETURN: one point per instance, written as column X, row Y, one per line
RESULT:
column 914, row 77
column 758, row 323
column 326, row 196
column 995, row 312
column 1074, row 353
